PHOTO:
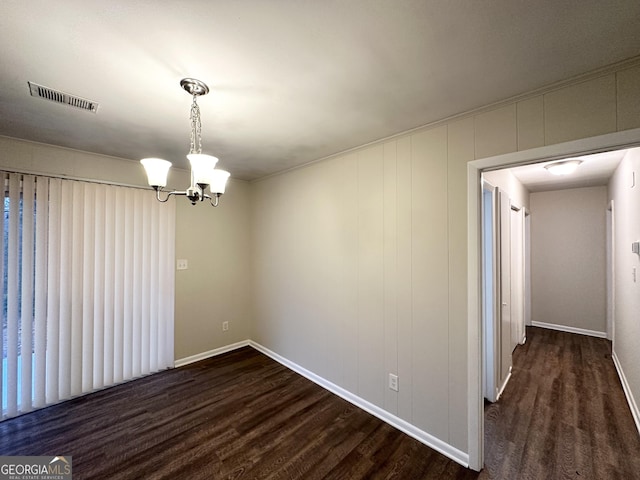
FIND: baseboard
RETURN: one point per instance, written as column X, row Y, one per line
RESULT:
column 211, row 353
column 565, row 328
column 443, row 447
column 506, row 380
column 627, row 391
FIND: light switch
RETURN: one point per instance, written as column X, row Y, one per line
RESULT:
column 183, row 264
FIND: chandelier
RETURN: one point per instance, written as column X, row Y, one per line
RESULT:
column 203, row 172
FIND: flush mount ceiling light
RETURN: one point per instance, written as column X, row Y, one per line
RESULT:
column 203, row 172
column 564, row 167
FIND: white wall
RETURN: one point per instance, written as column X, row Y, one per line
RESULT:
column 215, row 288
column 568, row 257
column 352, row 276
column 214, row 240
column 627, row 292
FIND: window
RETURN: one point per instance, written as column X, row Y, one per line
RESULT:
column 87, row 280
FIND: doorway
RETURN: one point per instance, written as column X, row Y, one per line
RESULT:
column 587, row 146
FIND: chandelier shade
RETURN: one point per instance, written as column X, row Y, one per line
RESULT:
column 218, row 181
column 203, row 172
column 157, row 170
column 201, row 164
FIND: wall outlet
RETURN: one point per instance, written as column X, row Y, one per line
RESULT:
column 393, row 382
column 225, row 326
column 182, row 264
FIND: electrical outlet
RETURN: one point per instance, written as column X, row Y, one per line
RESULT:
column 225, row 326
column 393, row 382
column 182, row 264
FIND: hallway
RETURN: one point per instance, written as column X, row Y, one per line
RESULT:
column 562, row 415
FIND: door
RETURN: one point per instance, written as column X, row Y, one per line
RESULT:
column 527, row 270
column 496, row 291
column 517, row 277
column 504, row 268
column 490, row 305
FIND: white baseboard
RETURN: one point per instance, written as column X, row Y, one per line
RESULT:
column 565, row 328
column 627, row 391
column 506, row 380
column 443, row 447
column 211, row 353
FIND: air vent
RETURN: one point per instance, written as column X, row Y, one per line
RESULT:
column 63, row 98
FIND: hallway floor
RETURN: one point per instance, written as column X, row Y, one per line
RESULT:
column 562, row 415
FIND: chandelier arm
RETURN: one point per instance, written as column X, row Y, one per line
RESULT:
column 158, row 190
column 214, row 201
column 192, row 195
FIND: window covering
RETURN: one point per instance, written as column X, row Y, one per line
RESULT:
column 88, row 282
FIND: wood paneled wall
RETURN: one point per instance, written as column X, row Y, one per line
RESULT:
column 359, row 261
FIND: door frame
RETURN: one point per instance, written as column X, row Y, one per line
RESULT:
column 475, row 403
column 611, row 270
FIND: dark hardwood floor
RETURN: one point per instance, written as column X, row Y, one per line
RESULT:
column 243, row 416
column 238, row 416
column 562, row 415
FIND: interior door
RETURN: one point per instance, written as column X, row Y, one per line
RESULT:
column 490, row 297
column 504, row 263
column 527, row 270
column 517, row 277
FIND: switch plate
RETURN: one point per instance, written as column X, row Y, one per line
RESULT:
column 393, row 382
column 182, row 264
column 225, row 326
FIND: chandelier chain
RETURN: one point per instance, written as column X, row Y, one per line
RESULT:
column 196, row 128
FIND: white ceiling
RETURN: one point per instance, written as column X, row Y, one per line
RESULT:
column 293, row 80
column 595, row 170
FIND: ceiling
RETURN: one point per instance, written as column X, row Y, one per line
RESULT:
column 292, row 81
column 595, row 170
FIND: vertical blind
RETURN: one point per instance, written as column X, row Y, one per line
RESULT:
column 88, row 288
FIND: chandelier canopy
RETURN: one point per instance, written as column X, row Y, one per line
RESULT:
column 203, row 172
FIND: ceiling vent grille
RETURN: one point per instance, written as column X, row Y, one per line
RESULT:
column 52, row 95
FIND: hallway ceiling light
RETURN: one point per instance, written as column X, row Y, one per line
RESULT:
column 564, row 167
column 203, row 172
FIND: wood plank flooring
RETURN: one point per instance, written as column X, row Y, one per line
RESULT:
column 236, row 416
column 563, row 414
column 243, row 416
